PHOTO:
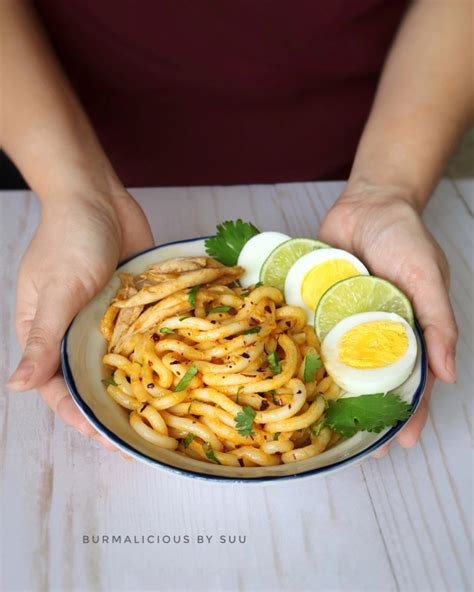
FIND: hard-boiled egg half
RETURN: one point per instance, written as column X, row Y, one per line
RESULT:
column 254, row 253
column 314, row 273
column 370, row 352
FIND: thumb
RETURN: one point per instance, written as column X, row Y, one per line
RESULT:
column 436, row 317
column 55, row 310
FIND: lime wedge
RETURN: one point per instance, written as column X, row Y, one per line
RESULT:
column 276, row 266
column 362, row 293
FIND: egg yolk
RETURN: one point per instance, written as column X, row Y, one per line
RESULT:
column 322, row 277
column 373, row 345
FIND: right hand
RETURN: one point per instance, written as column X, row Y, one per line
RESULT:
column 73, row 254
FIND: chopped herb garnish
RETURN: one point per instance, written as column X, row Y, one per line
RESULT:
column 210, row 453
column 276, row 435
column 316, row 427
column 184, row 382
column 166, row 330
column 189, row 438
column 244, row 421
column 257, row 285
column 245, row 292
column 274, row 399
column 109, row 381
column 238, row 393
column 230, row 239
column 312, row 363
column 220, row 309
column 275, row 362
column 371, row 413
column 192, row 295
column 251, row 331
column 184, row 318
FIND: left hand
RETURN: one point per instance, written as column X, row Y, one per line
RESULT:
column 386, row 232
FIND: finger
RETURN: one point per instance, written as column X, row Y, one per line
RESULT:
column 55, row 394
column 436, row 317
column 58, row 399
column 381, row 451
column 55, row 310
column 410, row 434
column 106, row 443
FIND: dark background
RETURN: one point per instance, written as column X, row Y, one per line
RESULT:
column 10, row 178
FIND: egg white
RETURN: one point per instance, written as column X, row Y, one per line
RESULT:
column 254, row 253
column 367, row 381
column 303, row 265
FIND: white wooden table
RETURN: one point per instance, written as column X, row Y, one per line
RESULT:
column 400, row 523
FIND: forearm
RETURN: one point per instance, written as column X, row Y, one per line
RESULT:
column 423, row 104
column 44, row 129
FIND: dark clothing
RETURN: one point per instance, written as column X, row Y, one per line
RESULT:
column 223, row 92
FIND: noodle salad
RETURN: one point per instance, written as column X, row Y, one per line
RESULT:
column 222, row 374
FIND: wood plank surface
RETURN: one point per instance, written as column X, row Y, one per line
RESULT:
column 399, row 523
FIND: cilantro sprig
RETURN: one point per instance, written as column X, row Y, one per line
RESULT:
column 223, row 308
column 184, row 382
column 251, row 331
column 192, row 295
column 167, row 330
column 109, row 381
column 230, row 239
column 189, row 438
column 312, row 363
column 210, row 453
column 275, row 362
column 244, row 421
column 371, row 413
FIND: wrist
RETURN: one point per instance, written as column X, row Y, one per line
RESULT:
column 365, row 187
column 366, row 211
column 89, row 188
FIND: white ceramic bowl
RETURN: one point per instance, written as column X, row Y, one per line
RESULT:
column 81, row 355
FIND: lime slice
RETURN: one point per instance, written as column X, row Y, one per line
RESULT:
column 276, row 266
column 362, row 293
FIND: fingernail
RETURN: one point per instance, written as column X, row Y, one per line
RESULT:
column 21, row 375
column 451, row 363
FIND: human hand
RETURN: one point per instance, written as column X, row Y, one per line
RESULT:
column 386, row 232
column 73, row 254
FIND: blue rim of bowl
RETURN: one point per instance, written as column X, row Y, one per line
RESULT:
column 123, row 445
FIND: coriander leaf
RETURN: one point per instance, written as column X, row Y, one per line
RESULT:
column 312, row 363
column 192, row 295
column 244, row 421
column 274, row 399
column 220, row 309
column 276, row 435
column 229, row 240
column 190, row 374
column 166, row 330
column 189, row 438
column 210, row 453
column 275, row 362
column 372, row 413
column 109, row 381
column 251, row 331
column 257, row 285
